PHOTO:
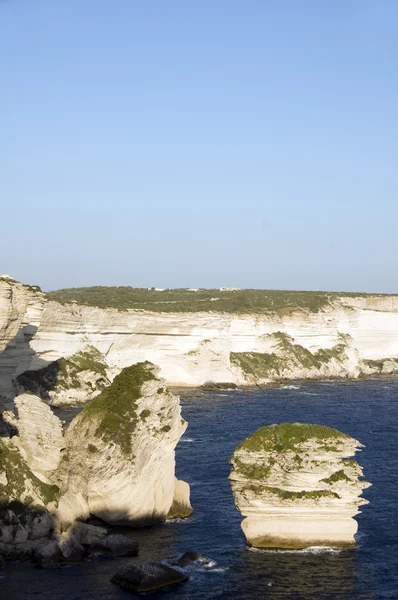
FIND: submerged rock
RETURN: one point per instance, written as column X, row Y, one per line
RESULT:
column 88, row 535
column 115, row 544
column 48, row 554
column 147, row 577
column 295, row 488
column 187, row 558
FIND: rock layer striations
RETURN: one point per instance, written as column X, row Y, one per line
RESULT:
column 297, row 486
column 116, row 459
column 343, row 337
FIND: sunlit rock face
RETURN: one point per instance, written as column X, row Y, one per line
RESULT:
column 120, row 452
column 116, row 460
column 21, row 308
column 297, row 486
column 346, row 338
column 76, row 378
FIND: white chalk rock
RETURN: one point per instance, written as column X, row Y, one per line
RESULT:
column 295, row 487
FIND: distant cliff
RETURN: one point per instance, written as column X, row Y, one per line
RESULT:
column 303, row 336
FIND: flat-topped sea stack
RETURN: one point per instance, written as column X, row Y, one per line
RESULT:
column 298, row 486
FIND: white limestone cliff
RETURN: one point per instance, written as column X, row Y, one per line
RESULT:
column 295, row 488
column 40, row 437
column 21, row 309
column 116, row 459
column 349, row 337
column 120, row 451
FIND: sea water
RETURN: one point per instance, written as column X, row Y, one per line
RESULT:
column 218, row 421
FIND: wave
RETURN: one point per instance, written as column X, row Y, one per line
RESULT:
column 309, row 550
column 203, row 565
column 291, row 387
column 186, row 440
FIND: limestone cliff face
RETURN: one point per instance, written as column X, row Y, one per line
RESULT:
column 295, row 487
column 349, row 337
column 120, row 451
column 116, row 459
column 21, row 308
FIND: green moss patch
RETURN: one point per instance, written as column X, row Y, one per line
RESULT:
column 252, row 471
column 115, row 410
column 65, row 373
column 18, row 475
column 262, row 364
column 287, row 436
column 301, row 495
column 335, row 477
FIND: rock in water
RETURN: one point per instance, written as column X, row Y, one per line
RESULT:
column 147, row 577
column 120, row 455
column 296, row 488
column 115, row 544
column 181, row 506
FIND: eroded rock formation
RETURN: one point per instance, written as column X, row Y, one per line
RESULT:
column 120, row 449
column 116, row 460
column 77, row 378
column 297, row 486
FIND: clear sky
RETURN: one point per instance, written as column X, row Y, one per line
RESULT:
column 200, row 143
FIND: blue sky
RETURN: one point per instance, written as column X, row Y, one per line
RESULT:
column 169, row 143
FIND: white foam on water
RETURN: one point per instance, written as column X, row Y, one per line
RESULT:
column 186, row 440
column 309, row 550
column 291, row 387
column 218, row 570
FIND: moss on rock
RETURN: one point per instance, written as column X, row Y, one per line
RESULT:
column 65, row 373
column 287, row 354
column 287, row 436
column 114, row 411
column 20, row 479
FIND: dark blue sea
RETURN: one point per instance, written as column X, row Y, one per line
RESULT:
column 218, row 421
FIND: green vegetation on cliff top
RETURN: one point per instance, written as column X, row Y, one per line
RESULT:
column 115, row 409
column 287, row 436
column 204, row 300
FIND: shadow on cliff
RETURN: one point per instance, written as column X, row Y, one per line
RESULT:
column 15, row 360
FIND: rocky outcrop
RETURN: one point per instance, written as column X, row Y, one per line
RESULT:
column 148, row 577
column 78, row 378
column 18, row 483
column 40, row 436
column 23, row 531
column 116, row 460
column 120, row 452
column 21, row 308
column 297, row 486
column 181, row 506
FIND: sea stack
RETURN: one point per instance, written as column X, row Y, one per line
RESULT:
column 116, row 461
column 297, row 486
